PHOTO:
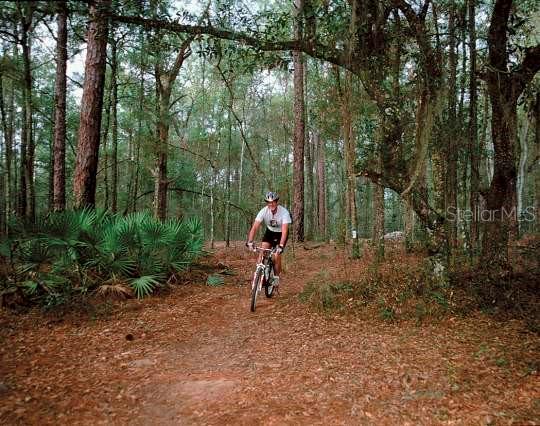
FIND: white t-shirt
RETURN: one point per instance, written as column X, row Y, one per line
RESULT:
column 274, row 221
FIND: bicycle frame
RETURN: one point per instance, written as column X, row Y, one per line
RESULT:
column 262, row 275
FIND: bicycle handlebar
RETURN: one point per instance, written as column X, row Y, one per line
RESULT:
column 256, row 248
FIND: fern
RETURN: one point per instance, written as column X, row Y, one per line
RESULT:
column 143, row 286
column 88, row 247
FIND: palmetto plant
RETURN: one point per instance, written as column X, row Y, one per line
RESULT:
column 87, row 249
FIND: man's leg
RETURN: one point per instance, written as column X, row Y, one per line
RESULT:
column 277, row 264
column 265, row 245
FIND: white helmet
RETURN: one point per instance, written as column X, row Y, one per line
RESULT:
column 271, row 196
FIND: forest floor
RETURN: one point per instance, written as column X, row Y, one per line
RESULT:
column 197, row 355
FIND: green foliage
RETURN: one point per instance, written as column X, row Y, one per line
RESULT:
column 215, row 280
column 67, row 254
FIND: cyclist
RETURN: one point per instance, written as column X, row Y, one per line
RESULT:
column 277, row 220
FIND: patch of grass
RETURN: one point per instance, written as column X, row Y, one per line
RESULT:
column 387, row 313
column 323, row 295
column 215, row 280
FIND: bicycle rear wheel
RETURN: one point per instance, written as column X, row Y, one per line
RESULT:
column 255, row 289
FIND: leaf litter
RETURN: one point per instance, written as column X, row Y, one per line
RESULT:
column 197, row 355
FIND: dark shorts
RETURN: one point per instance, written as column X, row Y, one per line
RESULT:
column 272, row 238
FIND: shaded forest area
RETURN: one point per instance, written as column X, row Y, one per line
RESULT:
column 374, row 120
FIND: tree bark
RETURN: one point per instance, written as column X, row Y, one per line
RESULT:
column 105, row 144
column 28, row 106
column 452, row 145
column 523, row 157
column 310, row 223
column 504, row 89
column 321, row 185
column 537, row 164
column 164, row 84
column 474, row 150
column 59, row 147
column 8, row 153
column 299, row 132
column 349, row 151
column 85, row 175
column 114, row 127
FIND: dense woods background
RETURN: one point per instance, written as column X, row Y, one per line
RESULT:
column 368, row 117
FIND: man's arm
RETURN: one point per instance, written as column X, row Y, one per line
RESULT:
column 253, row 230
column 284, row 234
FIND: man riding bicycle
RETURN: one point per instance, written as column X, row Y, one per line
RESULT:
column 277, row 220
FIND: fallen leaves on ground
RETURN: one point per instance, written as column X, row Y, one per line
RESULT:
column 197, row 355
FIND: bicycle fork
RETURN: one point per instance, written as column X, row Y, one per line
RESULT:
column 259, row 270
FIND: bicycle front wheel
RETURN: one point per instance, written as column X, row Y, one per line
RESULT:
column 269, row 285
column 255, row 289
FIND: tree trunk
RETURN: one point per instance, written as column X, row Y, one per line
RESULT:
column 450, row 201
column 504, row 90
column 321, row 186
column 114, row 127
column 8, row 147
column 310, row 224
column 299, row 132
column 474, row 150
column 84, row 185
column 228, row 185
column 164, row 83
column 537, row 163
column 59, row 147
column 378, row 219
column 160, row 171
column 11, row 156
column 408, row 219
column 523, row 157
column 28, row 134
column 106, row 124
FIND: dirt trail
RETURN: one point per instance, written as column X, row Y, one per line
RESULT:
column 198, row 356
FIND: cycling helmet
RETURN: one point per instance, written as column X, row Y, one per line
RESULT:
column 271, row 196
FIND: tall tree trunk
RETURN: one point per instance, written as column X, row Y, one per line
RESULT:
column 114, row 127
column 228, row 184
column 321, row 185
column 299, row 131
column 474, row 150
column 485, row 162
column 310, row 224
column 537, row 163
column 378, row 215
column 504, row 90
column 27, row 161
column 523, row 157
column 8, row 147
column 59, row 145
column 452, row 141
column 349, row 151
column 164, row 84
column 408, row 219
column 131, row 171
column 85, row 175
column 105, row 144
column 11, row 156
column 160, row 171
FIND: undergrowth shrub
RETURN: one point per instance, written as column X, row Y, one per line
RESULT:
column 68, row 254
column 324, row 295
column 389, row 290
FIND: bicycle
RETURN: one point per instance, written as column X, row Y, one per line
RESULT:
column 263, row 276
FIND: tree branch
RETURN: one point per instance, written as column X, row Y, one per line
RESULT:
column 247, row 213
column 316, row 50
